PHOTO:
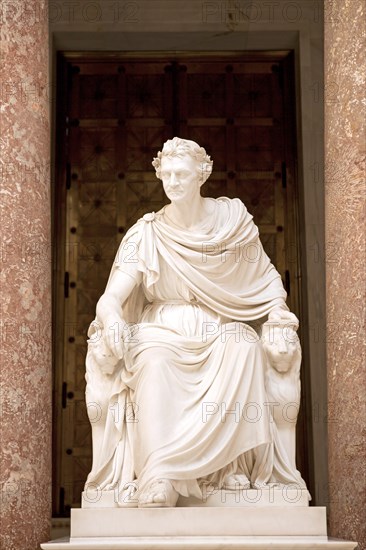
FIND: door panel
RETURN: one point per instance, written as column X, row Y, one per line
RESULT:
column 115, row 114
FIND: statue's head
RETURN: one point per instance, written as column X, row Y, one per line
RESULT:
column 178, row 147
column 282, row 344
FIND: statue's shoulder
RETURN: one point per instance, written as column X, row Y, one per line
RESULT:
column 134, row 233
column 148, row 217
column 235, row 202
column 234, row 206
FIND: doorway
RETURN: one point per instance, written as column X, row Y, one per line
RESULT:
column 115, row 112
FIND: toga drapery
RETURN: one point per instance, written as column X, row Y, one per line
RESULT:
column 188, row 401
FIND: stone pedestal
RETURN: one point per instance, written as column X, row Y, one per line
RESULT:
column 213, row 528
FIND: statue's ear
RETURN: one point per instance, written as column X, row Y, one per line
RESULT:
column 205, row 171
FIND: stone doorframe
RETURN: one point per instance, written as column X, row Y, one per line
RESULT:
column 26, row 374
column 310, row 154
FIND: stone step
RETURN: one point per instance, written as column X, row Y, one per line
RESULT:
column 201, row 528
column 202, row 543
column 216, row 521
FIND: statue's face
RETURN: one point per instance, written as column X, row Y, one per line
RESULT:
column 180, row 178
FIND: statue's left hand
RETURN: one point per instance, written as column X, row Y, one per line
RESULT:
column 114, row 329
column 280, row 315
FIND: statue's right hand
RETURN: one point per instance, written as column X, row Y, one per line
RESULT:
column 114, row 329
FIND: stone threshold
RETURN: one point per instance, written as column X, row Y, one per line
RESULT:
column 202, row 543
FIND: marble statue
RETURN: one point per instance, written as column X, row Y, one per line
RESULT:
column 182, row 390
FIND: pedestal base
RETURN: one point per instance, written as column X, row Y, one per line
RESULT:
column 198, row 522
column 202, row 528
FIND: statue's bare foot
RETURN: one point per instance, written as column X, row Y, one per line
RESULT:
column 159, row 493
column 236, row 482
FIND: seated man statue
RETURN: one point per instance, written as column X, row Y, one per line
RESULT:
column 181, row 390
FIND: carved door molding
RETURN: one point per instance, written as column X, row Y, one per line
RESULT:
column 114, row 113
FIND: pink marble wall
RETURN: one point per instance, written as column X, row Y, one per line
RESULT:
column 25, row 406
column 25, row 376
column 345, row 270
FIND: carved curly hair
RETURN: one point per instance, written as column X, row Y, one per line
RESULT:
column 178, row 147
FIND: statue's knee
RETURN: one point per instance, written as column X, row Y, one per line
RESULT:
column 155, row 365
column 254, row 345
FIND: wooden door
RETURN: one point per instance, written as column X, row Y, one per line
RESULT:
column 115, row 114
